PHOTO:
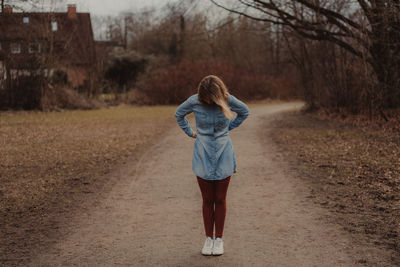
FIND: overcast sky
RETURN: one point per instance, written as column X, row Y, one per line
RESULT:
column 95, row 7
column 114, row 7
column 103, row 7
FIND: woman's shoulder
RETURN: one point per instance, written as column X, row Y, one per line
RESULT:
column 194, row 99
column 232, row 99
column 236, row 103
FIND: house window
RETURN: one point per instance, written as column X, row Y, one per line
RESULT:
column 15, row 48
column 34, row 48
column 54, row 26
column 14, row 73
column 25, row 20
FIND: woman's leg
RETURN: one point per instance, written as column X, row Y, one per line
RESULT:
column 220, row 205
column 208, row 192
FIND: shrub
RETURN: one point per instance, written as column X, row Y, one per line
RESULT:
column 23, row 93
column 59, row 77
column 124, row 69
column 172, row 84
column 67, row 98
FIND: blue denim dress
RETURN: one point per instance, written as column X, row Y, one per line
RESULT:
column 213, row 155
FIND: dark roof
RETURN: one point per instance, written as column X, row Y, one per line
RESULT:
column 73, row 40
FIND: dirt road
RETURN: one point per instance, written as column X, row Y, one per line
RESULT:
column 152, row 217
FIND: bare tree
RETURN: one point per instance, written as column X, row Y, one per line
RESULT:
column 18, row 4
column 369, row 29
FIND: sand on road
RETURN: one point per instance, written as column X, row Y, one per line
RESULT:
column 152, row 216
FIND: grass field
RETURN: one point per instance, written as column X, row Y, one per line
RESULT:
column 40, row 151
column 49, row 160
column 354, row 168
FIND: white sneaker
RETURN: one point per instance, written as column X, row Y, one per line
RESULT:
column 218, row 248
column 208, row 246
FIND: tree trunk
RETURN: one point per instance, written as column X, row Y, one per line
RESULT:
column 387, row 74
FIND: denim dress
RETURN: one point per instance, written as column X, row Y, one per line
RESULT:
column 213, row 154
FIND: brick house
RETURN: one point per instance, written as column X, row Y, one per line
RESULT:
column 40, row 43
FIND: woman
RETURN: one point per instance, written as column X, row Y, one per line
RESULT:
column 214, row 158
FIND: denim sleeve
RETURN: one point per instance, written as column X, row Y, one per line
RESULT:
column 240, row 108
column 180, row 113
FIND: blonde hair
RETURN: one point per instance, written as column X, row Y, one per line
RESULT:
column 212, row 89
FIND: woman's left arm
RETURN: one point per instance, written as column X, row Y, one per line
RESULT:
column 180, row 113
column 241, row 109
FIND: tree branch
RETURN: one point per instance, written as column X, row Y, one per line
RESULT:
column 245, row 14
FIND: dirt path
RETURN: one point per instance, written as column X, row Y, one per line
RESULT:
column 152, row 217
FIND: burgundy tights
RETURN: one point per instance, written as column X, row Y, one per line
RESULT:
column 214, row 193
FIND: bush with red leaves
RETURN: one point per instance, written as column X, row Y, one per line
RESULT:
column 174, row 83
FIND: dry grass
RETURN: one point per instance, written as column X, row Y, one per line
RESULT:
column 354, row 167
column 49, row 160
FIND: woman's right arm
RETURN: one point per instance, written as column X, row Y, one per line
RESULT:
column 180, row 113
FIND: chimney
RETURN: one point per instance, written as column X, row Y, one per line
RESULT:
column 72, row 11
column 7, row 9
